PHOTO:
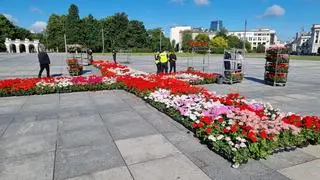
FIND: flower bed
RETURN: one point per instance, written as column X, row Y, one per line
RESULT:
column 233, row 127
column 31, row 86
column 230, row 125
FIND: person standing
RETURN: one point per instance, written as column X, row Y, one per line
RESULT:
column 44, row 62
column 114, row 55
column 90, row 57
column 157, row 62
column 164, row 62
column 172, row 61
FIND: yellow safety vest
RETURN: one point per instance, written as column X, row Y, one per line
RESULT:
column 163, row 57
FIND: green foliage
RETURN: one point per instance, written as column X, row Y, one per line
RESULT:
column 73, row 26
column 261, row 48
column 9, row 30
column 234, row 42
column 55, row 32
column 92, row 33
column 222, row 33
column 218, row 42
column 186, row 38
column 154, row 38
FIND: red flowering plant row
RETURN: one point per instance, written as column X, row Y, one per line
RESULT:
column 31, row 86
column 230, row 125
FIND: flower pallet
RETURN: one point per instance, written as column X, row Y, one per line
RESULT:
column 276, row 66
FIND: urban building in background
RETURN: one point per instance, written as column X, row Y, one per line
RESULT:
column 216, row 25
column 266, row 37
column 306, row 43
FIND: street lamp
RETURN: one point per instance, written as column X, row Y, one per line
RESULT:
column 160, row 38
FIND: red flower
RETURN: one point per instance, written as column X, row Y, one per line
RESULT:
column 194, row 125
column 263, row 134
column 220, row 120
column 200, row 125
column 234, row 128
column 252, row 136
column 248, row 128
column 225, row 130
column 208, row 130
column 206, row 120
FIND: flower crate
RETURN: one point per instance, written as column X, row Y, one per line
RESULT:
column 233, row 66
column 74, row 68
column 277, row 66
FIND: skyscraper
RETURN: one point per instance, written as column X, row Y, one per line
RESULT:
column 216, row 25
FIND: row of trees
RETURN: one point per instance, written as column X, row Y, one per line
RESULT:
column 217, row 44
column 10, row 30
column 116, row 32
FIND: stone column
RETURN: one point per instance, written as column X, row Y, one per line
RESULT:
column 36, row 47
column 17, row 48
column 27, row 47
column 8, row 48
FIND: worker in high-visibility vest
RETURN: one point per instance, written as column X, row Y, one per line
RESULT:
column 164, row 62
column 157, row 62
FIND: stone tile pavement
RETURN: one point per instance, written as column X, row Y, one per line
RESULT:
column 115, row 135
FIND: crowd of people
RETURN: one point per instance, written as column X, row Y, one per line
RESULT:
column 162, row 59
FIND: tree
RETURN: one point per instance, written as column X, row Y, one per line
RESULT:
column 234, row 42
column 248, row 46
column 261, row 48
column 223, row 32
column 202, row 38
column 137, row 35
column 186, row 38
column 72, row 26
column 218, row 44
column 154, row 35
column 9, row 30
column 92, row 33
column 55, row 32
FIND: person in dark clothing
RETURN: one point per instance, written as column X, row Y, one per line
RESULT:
column 114, row 55
column 90, row 57
column 157, row 62
column 172, row 60
column 44, row 62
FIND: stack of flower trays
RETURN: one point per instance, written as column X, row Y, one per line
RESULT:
column 75, row 69
column 277, row 66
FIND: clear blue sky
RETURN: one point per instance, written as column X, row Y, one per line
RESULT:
column 285, row 16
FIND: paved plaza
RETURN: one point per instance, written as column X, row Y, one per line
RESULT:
column 115, row 135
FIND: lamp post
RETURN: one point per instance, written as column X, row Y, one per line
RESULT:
column 161, row 31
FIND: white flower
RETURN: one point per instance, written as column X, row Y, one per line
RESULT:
column 227, row 138
column 212, row 138
column 234, row 149
column 237, row 146
column 230, row 143
column 220, row 137
column 243, row 145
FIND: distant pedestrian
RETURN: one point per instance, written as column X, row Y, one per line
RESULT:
column 90, row 57
column 114, row 55
column 172, row 61
column 157, row 62
column 44, row 61
column 164, row 62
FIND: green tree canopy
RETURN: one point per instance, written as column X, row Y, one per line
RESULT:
column 261, row 48
column 73, row 28
column 218, row 44
column 55, row 32
column 186, row 38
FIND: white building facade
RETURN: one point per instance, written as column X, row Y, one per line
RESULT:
column 266, row 37
column 314, row 43
column 19, row 46
column 175, row 33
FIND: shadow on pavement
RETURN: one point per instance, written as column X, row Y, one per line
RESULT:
column 261, row 81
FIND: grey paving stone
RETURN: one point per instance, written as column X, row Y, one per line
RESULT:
column 38, row 107
column 25, row 117
column 113, row 107
column 309, row 170
column 5, row 120
column 254, row 170
column 83, row 137
column 145, row 148
column 205, row 158
column 86, row 159
column 9, row 109
column 31, row 128
column 173, row 167
column 131, row 130
column 23, row 145
column 190, row 146
column 47, row 115
column 122, row 117
column 287, row 159
column 175, row 137
column 313, row 150
column 163, row 125
column 118, row 173
column 34, row 167
column 80, row 122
